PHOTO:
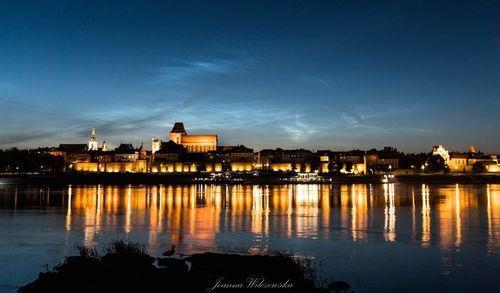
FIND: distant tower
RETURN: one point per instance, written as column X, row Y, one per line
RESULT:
column 177, row 132
column 104, row 147
column 471, row 149
column 92, row 141
column 155, row 145
column 142, row 152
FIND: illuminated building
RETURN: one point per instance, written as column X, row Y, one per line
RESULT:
column 104, row 147
column 125, row 153
column 200, row 153
column 155, row 145
column 92, row 146
column 440, row 150
column 458, row 162
column 193, row 143
column 73, row 153
column 473, row 161
column 298, row 160
column 169, row 152
column 235, row 158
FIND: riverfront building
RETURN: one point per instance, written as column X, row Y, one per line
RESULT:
column 184, row 152
column 194, row 143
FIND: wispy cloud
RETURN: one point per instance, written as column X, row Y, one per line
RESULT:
column 182, row 70
column 255, row 123
column 25, row 123
column 299, row 129
column 372, row 120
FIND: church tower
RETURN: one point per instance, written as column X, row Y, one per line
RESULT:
column 177, row 132
column 155, row 145
column 194, row 143
column 92, row 142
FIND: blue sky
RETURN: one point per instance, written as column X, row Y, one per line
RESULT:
column 313, row 74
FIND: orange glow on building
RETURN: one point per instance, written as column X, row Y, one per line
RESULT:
column 241, row 166
column 193, row 143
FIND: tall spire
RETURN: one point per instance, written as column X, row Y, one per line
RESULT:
column 93, row 141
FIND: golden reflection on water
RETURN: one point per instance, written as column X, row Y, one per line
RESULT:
column 458, row 221
column 389, row 212
column 426, row 216
column 306, row 210
column 260, row 219
column 194, row 215
column 68, row 210
column 493, row 210
column 359, row 212
column 413, row 215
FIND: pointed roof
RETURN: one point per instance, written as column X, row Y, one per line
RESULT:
column 92, row 135
column 178, row 128
column 125, row 148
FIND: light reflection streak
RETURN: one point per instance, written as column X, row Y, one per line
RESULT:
column 360, row 211
column 354, row 226
column 413, row 215
column 307, row 210
column 493, row 211
column 490, row 224
column 98, row 210
column 260, row 219
column 90, row 213
column 390, row 213
column 458, row 220
column 325, row 210
column 289, row 213
column 344, row 208
column 426, row 217
column 154, row 220
column 160, row 206
column 128, row 214
column 68, row 211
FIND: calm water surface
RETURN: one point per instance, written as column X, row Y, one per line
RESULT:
column 379, row 238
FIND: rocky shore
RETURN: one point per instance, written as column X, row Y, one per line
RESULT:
column 126, row 268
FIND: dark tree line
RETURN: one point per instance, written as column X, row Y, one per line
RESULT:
column 15, row 160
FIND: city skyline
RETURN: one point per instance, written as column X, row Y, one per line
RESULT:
column 314, row 75
column 96, row 143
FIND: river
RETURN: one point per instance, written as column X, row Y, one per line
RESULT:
column 377, row 237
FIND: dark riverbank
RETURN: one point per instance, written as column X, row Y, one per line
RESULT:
column 136, row 178
column 126, row 268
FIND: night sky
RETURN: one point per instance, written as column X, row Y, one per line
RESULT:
column 315, row 74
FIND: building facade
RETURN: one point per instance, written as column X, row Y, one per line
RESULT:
column 194, row 143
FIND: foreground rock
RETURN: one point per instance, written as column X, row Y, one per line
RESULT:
column 208, row 272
